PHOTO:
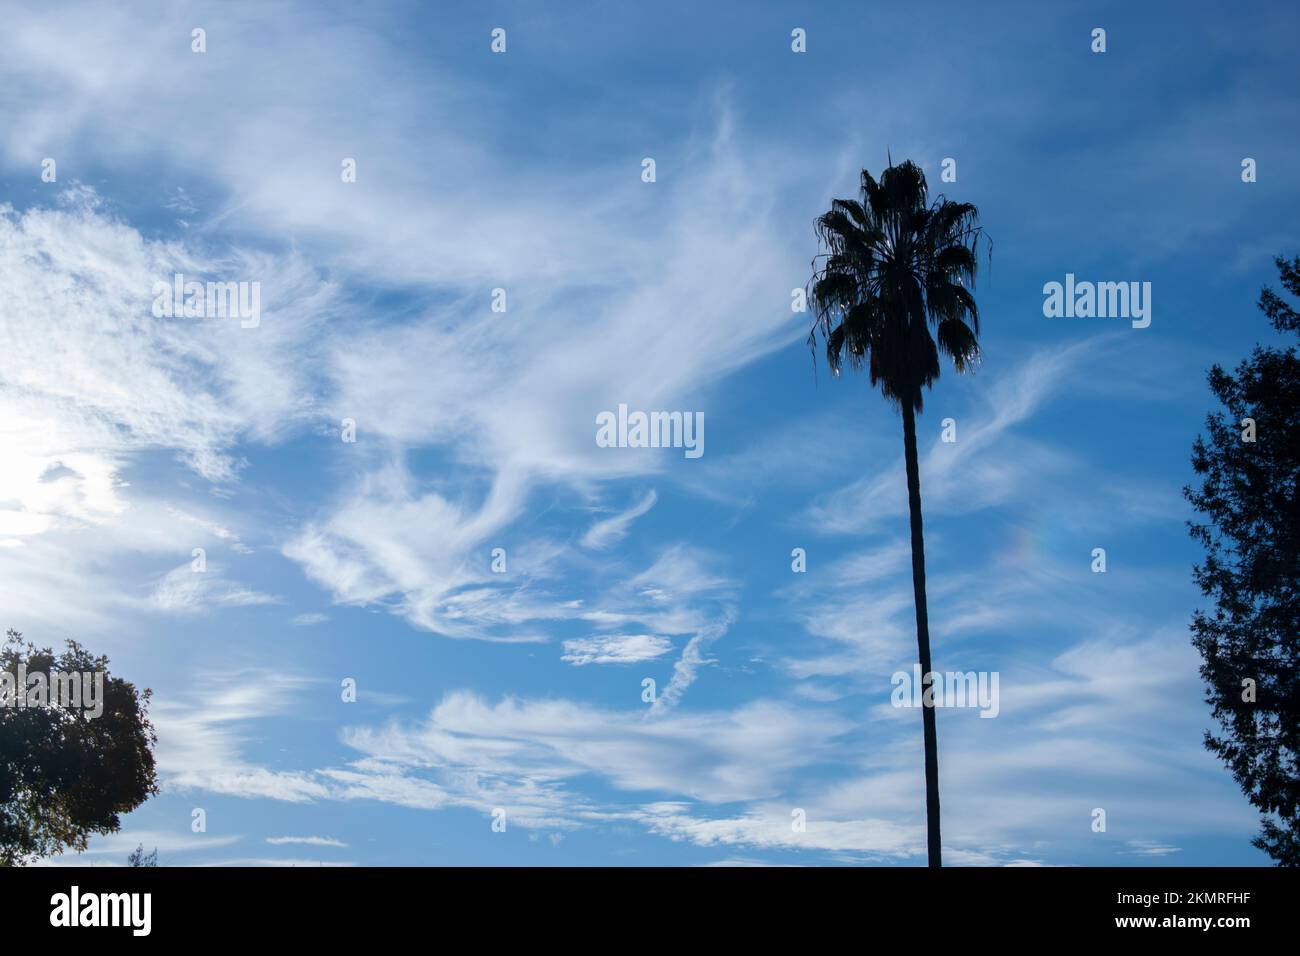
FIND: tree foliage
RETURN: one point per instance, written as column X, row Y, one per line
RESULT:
column 139, row 858
column 897, row 264
column 65, row 774
column 1249, row 495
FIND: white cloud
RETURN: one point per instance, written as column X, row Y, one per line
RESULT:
column 305, row 841
column 511, row 413
column 615, row 649
column 771, row 827
column 94, row 384
column 166, row 842
column 199, row 741
column 609, row 531
column 1013, row 787
column 185, row 590
column 106, row 377
column 1151, row 848
column 521, row 755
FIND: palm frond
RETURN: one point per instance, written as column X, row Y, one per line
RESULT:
column 896, row 264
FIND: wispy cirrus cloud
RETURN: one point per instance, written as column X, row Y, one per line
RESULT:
column 305, row 841
column 615, row 649
column 186, row 590
column 609, row 531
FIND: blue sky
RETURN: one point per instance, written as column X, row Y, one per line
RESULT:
column 132, row 440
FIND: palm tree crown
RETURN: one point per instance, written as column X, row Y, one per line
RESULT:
column 897, row 264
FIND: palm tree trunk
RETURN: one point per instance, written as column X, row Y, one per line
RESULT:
column 922, row 634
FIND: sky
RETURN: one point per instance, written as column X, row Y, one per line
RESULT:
column 509, row 686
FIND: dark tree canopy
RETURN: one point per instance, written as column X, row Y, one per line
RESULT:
column 1250, row 497
column 897, row 264
column 65, row 774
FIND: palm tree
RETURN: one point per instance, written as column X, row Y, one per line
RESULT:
column 895, row 266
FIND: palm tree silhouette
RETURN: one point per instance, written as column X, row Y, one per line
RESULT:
column 896, row 264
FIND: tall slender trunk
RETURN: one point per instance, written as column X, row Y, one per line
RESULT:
column 922, row 634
